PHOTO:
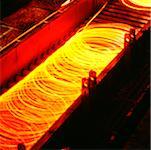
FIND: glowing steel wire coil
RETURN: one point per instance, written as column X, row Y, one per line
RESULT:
column 31, row 107
column 138, row 4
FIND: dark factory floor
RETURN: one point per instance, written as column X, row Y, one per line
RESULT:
column 140, row 139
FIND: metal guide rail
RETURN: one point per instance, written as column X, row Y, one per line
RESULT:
column 62, row 8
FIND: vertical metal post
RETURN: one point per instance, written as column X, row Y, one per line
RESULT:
column 92, row 81
column 127, row 39
column 84, row 90
column 132, row 33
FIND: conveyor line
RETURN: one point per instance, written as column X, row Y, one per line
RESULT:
column 33, row 105
column 117, row 12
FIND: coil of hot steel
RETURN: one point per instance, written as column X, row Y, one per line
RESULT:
column 31, row 107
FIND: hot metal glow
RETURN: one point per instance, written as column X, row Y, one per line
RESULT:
column 66, row 2
column 138, row 4
column 31, row 107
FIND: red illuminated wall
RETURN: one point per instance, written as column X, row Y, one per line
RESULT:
column 20, row 56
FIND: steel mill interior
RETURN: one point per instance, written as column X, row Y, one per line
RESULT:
column 75, row 74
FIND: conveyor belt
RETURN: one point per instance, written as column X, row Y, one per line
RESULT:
column 116, row 12
column 33, row 105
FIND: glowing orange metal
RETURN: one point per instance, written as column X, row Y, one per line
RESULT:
column 138, row 4
column 31, row 107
